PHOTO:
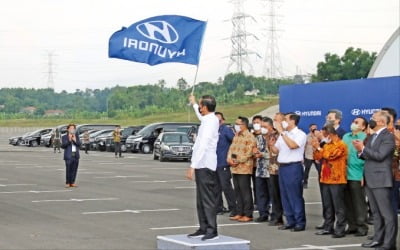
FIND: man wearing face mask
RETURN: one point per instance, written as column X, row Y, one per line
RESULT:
column 224, row 176
column 334, row 118
column 378, row 154
column 356, row 206
column 261, row 155
column 240, row 158
column 290, row 149
column 71, row 144
column 203, row 166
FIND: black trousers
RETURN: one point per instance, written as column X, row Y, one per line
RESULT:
column 275, row 194
column 224, row 184
column 307, row 167
column 262, row 194
column 87, row 145
column 244, row 197
column 118, row 150
column 334, row 206
column 71, row 170
column 206, row 180
column 356, row 207
column 385, row 220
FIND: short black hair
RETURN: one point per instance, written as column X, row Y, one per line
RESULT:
column 312, row 124
column 365, row 122
column 330, row 129
column 209, row 102
column 391, row 112
column 294, row 117
column 244, row 120
column 268, row 120
column 220, row 113
column 259, row 117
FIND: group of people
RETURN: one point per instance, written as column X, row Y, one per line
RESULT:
column 269, row 165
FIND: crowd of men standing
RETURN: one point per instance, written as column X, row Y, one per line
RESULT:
column 358, row 173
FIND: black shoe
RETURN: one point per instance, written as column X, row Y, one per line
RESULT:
column 210, row 237
column 348, row 231
column 323, row 232
column 370, row 237
column 275, row 223
column 121, row 156
column 232, row 214
column 196, row 234
column 262, row 219
column 220, row 212
column 360, row 234
column 285, row 227
column 371, row 244
column 298, row 229
column 338, row 235
column 319, row 227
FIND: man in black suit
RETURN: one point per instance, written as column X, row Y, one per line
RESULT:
column 70, row 144
column 378, row 153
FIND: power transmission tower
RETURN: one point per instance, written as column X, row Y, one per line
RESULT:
column 50, row 78
column 272, row 60
column 239, row 57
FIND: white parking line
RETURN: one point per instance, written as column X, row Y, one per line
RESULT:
column 12, row 185
column 158, row 181
column 312, row 247
column 120, row 176
column 35, row 192
column 195, row 226
column 313, row 203
column 78, row 200
column 133, row 211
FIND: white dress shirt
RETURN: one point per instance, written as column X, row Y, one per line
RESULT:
column 287, row 154
column 205, row 147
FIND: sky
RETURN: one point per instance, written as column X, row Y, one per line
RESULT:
column 76, row 34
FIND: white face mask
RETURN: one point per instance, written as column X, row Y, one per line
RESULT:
column 237, row 128
column 285, row 124
column 264, row 131
column 256, row 126
column 72, row 131
column 354, row 127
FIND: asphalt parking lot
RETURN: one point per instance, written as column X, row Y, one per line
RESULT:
column 121, row 204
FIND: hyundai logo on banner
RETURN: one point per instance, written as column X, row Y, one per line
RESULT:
column 159, row 39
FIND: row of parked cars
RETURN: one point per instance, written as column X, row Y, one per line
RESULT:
column 166, row 140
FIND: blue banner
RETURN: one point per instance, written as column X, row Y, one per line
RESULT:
column 353, row 97
column 159, row 39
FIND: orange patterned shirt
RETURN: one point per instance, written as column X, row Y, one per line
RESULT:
column 242, row 146
column 333, row 157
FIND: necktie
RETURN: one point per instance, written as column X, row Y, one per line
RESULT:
column 374, row 135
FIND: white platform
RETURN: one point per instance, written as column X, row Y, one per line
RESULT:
column 182, row 242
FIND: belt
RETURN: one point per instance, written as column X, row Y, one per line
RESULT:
column 289, row 163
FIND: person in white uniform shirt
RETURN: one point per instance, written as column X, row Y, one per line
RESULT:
column 203, row 167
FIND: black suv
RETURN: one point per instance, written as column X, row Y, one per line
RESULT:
column 143, row 141
column 173, row 145
column 128, row 131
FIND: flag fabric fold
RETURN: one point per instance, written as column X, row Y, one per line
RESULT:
column 159, row 39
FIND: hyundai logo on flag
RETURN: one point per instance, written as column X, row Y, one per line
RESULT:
column 159, row 39
column 158, row 30
column 355, row 111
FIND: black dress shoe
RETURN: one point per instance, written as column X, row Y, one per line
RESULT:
column 262, row 219
column 298, row 229
column 319, row 227
column 360, row 234
column 351, row 231
column 275, row 223
column 371, row 244
column 338, row 235
column 323, row 232
column 370, row 237
column 285, row 227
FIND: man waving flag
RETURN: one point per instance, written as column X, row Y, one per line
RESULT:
column 159, row 39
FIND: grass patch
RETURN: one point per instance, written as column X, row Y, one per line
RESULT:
column 231, row 112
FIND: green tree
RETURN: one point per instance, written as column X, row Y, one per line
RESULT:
column 354, row 64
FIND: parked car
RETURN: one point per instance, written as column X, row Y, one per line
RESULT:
column 143, row 141
column 93, row 138
column 100, row 140
column 191, row 131
column 173, row 145
column 47, row 139
column 17, row 140
column 131, row 130
column 83, row 127
column 33, row 139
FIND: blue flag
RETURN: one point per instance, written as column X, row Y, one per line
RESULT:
column 159, row 39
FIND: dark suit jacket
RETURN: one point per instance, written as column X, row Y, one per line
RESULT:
column 67, row 146
column 378, row 160
column 340, row 131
